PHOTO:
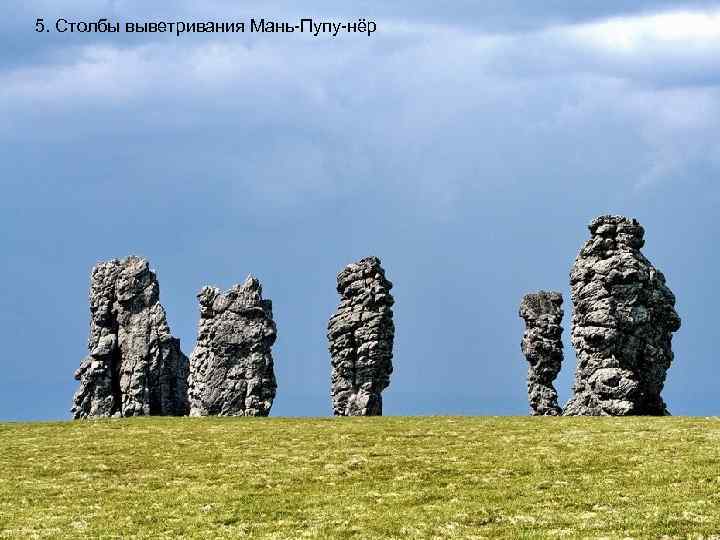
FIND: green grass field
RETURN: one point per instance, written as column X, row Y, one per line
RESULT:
column 393, row 477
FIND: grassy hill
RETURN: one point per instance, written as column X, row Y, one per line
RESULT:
column 393, row 477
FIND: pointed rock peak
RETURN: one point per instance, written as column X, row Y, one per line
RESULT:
column 252, row 283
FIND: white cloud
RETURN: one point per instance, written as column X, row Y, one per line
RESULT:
column 686, row 29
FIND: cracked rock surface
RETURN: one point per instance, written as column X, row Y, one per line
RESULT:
column 543, row 349
column 231, row 368
column 361, row 334
column 135, row 366
column 623, row 320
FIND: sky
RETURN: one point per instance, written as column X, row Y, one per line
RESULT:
column 466, row 144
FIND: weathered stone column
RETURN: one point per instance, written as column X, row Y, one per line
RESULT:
column 543, row 349
column 623, row 320
column 231, row 368
column 361, row 335
column 135, row 366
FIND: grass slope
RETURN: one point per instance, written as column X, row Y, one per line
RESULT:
column 393, row 477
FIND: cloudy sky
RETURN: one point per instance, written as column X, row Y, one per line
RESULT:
column 467, row 144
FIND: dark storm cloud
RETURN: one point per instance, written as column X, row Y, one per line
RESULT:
column 466, row 147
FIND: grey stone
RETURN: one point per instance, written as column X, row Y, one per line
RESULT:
column 543, row 349
column 135, row 366
column 623, row 320
column 231, row 368
column 361, row 335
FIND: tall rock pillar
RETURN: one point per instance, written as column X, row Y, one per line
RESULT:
column 135, row 366
column 361, row 334
column 231, row 368
column 543, row 349
column 623, row 320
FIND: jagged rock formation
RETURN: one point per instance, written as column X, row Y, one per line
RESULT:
column 543, row 349
column 135, row 366
column 622, row 325
column 361, row 335
column 231, row 368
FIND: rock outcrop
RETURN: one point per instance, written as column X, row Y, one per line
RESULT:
column 361, row 335
column 622, row 326
column 231, row 368
column 543, row 349
column 135, row 366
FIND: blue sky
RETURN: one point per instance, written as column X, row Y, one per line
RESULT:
column 466, row 146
